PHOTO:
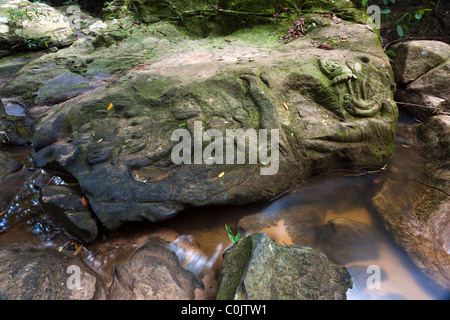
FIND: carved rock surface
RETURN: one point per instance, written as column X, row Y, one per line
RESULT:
column 114, row 135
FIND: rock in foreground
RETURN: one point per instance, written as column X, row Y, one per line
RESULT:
column 45, row 275
column 256, row 268
column 153, row 273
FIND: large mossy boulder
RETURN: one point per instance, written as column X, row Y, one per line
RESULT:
column 255, row 268
column 105, row 110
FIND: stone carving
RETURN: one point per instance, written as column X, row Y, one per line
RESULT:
column 359, row 101
column 338, row 73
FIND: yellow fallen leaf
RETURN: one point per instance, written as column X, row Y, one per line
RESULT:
column 285, row 106
column 221, row 175
column 78, row 250
column 46, row 44
column 110, row 106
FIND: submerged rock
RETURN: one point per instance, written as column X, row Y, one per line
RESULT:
column 345, row 240
column 256, row 268
column 295, row 225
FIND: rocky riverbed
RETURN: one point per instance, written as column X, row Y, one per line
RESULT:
column 97, row 111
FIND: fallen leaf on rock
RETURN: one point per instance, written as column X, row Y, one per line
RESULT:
column 140, row 66
column 221, row 175
column 63, row 140
column 325, row 46
column 78, row 250
column 72, row 96
column 83, row 200
column 110, row 106
column 285, row 106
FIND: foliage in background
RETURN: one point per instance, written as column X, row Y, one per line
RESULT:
column 22, row 17
column 412, row 15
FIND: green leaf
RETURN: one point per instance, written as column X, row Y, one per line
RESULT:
column 233, row 239
column 364, row 2
column 421, row 12
column 400, row 31
column 385, row 2
column 385, row 11
column 418, row 16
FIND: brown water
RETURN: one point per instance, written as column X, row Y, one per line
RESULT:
column 199, row 238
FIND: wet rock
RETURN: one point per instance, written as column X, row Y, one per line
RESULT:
column 419, row 224
column 9, row 134
column 344, row 240
column 256, row 268
column 153, row 272
column 66, row 205
column 8, row 164
column 45, row 275
column 422, row 71
column 418, row 214
column 433, row 136
column 12, row 179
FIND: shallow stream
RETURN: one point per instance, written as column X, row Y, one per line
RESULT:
column 202, row 237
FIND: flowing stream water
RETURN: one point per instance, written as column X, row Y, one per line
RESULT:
column 202, row 237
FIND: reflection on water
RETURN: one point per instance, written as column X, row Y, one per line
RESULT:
column 331, row 196
column 199, row 238
column 25, row 212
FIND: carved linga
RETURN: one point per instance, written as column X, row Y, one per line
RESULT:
column 358, row 101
